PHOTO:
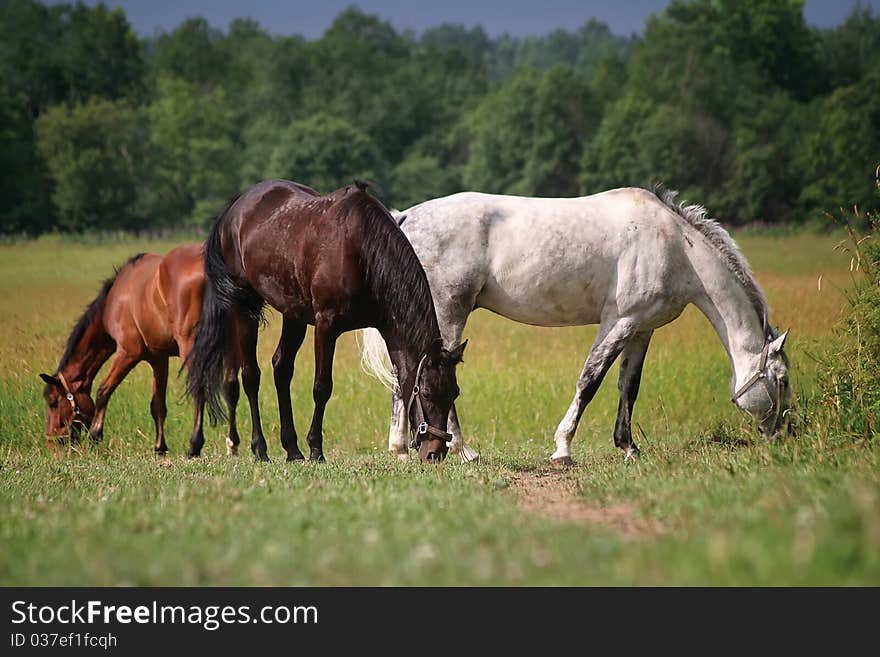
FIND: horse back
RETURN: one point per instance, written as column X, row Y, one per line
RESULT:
column 297, row 250
column 179, row 291
column 127, row 312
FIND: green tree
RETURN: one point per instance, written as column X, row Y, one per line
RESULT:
column 765, row 175
column 324, row 152
column 420, row 177
column 848, row 51
column 685, row 61
column 90, row 152
column 640, row 143
column 840, row 156
column 193, row 52
column 68, row 52
column 99, row 54
column 774, row 36
column 193, row 154
column 24, row 181
column 29, row 32
column 527, row 137
column 582, row 50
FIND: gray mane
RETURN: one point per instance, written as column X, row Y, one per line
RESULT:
column 697, row 216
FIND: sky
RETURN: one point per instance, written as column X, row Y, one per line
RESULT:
column 516, row 17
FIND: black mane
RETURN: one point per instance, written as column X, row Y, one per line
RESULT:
column 394, row 273
column 91, row 311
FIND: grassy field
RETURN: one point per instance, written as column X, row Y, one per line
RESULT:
column 708, row 503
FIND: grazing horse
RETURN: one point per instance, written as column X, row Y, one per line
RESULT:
column 627, row 259
column 147, row 311
column 338, row 262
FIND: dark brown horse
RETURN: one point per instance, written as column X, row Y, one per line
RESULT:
column 148, row 311
column 338, row 262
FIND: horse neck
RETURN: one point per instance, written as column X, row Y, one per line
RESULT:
column 403, row 307
column 404, row 351
column 730, row 311
column 91, row 352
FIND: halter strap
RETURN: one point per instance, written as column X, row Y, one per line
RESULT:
column 70, row 398
column 757, row 376
column 422, row 427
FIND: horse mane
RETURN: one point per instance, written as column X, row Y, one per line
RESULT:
column 720, row 239
column 90, row 313
column 394, row 273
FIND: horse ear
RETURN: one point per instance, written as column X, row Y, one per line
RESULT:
column 51, row 380
column 778, row 343
column 456, row 354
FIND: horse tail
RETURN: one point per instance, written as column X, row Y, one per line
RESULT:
column 374, row 358
column 224, row 293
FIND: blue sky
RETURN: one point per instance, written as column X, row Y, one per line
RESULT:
column 518, row 17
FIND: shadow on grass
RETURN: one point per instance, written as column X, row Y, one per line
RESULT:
column 726, row 436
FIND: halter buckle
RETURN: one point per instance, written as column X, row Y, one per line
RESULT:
column 422, row 428
column 70, row 396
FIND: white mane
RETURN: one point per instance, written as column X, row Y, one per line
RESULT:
column 697, row 216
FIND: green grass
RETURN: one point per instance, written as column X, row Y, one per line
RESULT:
column 712, row 503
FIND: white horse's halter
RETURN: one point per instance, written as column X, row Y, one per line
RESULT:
column 761, row 375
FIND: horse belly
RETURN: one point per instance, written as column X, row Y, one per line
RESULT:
column 566, row 298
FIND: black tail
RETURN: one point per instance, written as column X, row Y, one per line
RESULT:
column 224, row 294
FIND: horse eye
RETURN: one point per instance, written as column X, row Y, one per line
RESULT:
column 53, row 405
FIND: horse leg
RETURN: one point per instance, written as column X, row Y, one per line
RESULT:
column 158, row 408
column 292, row 335
column 398, row 436
column 325, row 347
column 631, row 361
column 250, row 379
column 122, row 364
column 197, row 437
column 466, row 453
column 231, row 394
column 452, row 318
column 608, row 345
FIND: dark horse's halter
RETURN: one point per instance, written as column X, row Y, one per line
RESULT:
column 77, row 413
column 422, row 427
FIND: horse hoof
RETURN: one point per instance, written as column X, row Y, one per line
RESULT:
column 469, row 455
column 296, row 456
column 565, row 461
column 403, row 457
column 317, row 455
column 631, row 453
column 161, row 453
column 193, row 455
column 231, row 448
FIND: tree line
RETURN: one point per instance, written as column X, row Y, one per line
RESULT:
column 739, row 104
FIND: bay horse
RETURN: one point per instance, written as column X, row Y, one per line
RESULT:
column 627, row 259
column 338, row 262
column 147, row 311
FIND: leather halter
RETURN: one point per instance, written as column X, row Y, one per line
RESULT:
column 77, row 413
column 760, row 375
column 422, row 427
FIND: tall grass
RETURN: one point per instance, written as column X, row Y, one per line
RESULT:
column 850, row 378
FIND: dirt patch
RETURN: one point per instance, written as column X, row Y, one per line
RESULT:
column 552, row 493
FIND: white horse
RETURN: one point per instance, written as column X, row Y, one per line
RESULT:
column 628, row 259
